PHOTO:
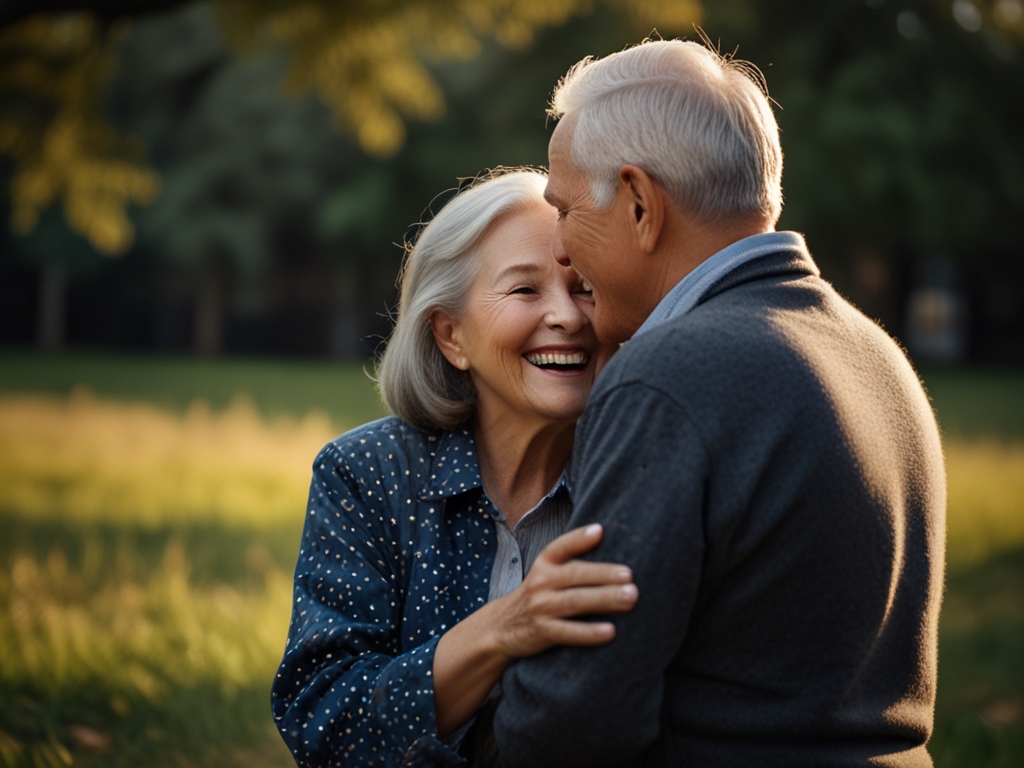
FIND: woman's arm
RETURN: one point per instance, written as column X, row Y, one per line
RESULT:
column 471, row 656
column 345, row 692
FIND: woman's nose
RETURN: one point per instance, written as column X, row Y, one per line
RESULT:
column 565, row 314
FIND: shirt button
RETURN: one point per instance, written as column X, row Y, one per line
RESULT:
column 515, row 560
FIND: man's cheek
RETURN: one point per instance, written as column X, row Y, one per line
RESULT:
column 604, row 354
column 587, row 308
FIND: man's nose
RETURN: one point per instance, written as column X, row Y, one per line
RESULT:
column 558, row 250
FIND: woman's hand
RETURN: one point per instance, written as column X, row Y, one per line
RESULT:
column 538, row 613
column 472, row 655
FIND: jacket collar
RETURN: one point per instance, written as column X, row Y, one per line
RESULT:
column 455, row 467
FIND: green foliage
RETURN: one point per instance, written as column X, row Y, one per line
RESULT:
column 355, row 209
column 365, row 58
column 899, row 125
column 240, row 161
column 52, row 72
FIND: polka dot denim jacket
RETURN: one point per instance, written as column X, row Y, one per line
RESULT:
column 397, row 548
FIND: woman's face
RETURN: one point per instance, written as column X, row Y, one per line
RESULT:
column 524, row 337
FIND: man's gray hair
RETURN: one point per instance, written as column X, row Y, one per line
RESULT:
column 416, row 382
column 698, row 122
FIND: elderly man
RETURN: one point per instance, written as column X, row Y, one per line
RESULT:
column 759, row 453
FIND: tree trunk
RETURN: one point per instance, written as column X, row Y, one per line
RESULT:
column 209, row 309
column 344, row 336
column 53, row 295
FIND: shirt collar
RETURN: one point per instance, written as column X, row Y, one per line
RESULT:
column 563, row 483
column 455, row 467
column 688, row 292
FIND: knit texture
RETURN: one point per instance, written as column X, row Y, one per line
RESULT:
column 770, row 468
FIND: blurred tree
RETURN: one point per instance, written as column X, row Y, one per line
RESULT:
column 241, row 163
column 495, row 116
column 63, row 150
column 363, row 58
column 366, row 59
column 900, row 123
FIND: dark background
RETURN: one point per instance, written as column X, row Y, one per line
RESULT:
column 279, row 218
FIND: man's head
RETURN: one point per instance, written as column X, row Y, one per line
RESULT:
column 665, row 153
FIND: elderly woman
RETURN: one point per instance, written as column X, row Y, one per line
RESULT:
column 410, row 598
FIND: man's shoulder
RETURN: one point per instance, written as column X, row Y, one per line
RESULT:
column 731, row 332
column 746, row 343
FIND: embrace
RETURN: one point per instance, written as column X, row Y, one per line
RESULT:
column 653, row 493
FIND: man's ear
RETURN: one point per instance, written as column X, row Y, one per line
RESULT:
column 446, row 334
column 646, row 201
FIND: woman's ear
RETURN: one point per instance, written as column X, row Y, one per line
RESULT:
column 646, row 201
column 446, row 334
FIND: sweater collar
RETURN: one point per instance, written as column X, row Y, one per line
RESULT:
column 717, row 269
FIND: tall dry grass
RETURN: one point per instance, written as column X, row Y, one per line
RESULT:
column 64, row 629
column 109, row 620
column 985, row 479
column 88, row 459
column 103, row 632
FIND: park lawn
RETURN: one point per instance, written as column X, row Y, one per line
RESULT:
column 342, row 391
column 150, row 523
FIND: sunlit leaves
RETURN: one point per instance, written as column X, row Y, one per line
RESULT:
column 365, row 58
column 64, row 150
column 73, row 163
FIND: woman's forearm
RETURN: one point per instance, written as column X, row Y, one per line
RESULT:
column 468, row 663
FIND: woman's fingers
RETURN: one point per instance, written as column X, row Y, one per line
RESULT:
column 579, row 573
column 586, row 601
column 540, row 612
column 572, row 544
column 567, row 632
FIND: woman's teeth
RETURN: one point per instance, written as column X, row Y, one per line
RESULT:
column 558, row 358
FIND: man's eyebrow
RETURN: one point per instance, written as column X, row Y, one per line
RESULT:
column 517, row 269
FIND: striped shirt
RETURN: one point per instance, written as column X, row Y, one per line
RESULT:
column 518, row 548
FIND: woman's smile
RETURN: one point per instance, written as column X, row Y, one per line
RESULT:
column 561, row 361
column 524, row 337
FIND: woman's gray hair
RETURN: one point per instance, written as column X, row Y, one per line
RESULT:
column 416, row 382
column 698, row 122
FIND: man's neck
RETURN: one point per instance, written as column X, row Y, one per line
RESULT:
column 688, row 243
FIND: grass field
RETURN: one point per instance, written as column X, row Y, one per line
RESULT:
column 150, row 510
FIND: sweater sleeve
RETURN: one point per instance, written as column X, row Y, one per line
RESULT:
column 639, row 467
column 346, row 693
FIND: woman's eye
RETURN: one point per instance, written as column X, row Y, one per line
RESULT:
column 524, row 290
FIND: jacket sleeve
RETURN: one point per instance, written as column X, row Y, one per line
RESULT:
column 638, row 469
column 345, row 693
